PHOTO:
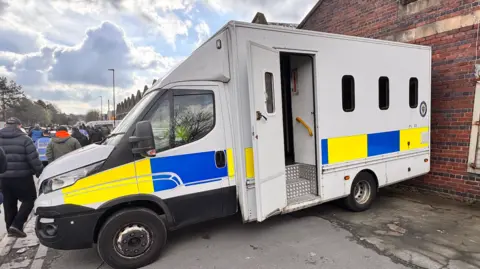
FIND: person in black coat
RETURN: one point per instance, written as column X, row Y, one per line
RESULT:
column 96, row 135
column 3, row 161
column 79, row 136
column 3, row 168
column 17, row 181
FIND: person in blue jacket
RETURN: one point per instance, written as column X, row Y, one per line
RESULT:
column 36, row 133
column 41, row 145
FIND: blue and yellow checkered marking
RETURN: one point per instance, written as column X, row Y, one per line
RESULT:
column 148, row 175
column 349, row 148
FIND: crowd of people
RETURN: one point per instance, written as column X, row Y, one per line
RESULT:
column 24, row 155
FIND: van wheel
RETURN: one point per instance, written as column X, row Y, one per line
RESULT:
column 131, row 238
column 362, row 192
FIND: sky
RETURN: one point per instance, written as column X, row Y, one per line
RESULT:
column 60, row 50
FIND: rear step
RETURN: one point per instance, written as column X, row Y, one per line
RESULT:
column 301, row 187
column 301, row 181
column 297, row 187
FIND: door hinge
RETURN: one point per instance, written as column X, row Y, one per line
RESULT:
column 250, row 183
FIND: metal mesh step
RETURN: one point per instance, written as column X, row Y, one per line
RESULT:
column 301, row 180
column 298, row 187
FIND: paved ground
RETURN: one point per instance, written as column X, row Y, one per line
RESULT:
column 283, row 242
column 400, row 231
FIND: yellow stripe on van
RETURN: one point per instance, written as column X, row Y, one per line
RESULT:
column 104, row 186
column 144, row 176
column 114, row 174
column 342, row 149
column 230, row 163
column 249, row 167
column 104, row 193
column 412, row 138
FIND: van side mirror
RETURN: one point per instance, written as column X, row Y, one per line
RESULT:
column 143, row 141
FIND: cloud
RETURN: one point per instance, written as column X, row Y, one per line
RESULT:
column 7, row 59
column 4, row 72
column 3, row 6
column 203, row 32
column 166, row 24
column 32, row 69
column 64, row 21
column 19, row 40
column 60, row 50
column 80, row 73
column 41, row 60
column 104, row 47
column 76, row 98
column 159, row 15
column 291, row 11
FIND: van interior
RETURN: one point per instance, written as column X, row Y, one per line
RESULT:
column 298, row 106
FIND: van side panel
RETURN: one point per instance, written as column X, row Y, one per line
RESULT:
column 368, row 138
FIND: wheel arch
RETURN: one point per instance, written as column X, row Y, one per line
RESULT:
column 350, row 201
column 372, row 174
column 367, row 171
column 151, row 202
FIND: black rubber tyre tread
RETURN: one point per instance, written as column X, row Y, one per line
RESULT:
column 106, row 249
column 350, row 202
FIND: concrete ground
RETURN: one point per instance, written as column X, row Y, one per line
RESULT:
column 399, row 231
column 427, row 231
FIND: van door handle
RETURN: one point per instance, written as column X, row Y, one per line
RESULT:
column 220, row 160
column 260, row 116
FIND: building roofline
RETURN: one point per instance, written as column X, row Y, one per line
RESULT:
column 309, row 14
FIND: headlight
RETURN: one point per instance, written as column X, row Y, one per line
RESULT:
column 68, row 179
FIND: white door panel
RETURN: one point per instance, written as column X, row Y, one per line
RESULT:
column 267, row 130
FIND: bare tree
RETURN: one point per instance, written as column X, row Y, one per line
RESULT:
column 134, row 101
column 139, row 96
column 92, row 115
column 191, row 126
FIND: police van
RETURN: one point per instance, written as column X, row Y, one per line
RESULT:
column 260, row 119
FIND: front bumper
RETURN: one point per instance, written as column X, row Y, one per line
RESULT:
column 73, row 226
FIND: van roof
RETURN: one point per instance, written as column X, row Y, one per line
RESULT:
column 208, row 63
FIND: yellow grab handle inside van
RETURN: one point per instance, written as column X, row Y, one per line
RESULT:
column 305, row 125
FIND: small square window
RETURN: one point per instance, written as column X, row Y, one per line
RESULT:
column 383, row 93
column 413, row 92
column 348, row 93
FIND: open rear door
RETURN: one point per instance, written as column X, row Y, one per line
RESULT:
column 267, row 129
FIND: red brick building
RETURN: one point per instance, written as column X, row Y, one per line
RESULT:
column 450, row 27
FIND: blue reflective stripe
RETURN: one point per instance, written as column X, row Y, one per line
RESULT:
column 41, row 145
column 383, row 143
column 376, row 144
column 188, row 169
column 324, row 151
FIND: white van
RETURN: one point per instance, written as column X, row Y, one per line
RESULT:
column 261, row 119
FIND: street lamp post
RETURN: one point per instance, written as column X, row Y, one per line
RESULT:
column 101, row 107
column 114, row 107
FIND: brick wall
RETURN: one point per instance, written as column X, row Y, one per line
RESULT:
column 453, row 80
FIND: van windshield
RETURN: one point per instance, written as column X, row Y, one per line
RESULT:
column 132, row 116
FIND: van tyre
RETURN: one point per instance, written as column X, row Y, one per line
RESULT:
column 131, row 238
column 362, row 192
